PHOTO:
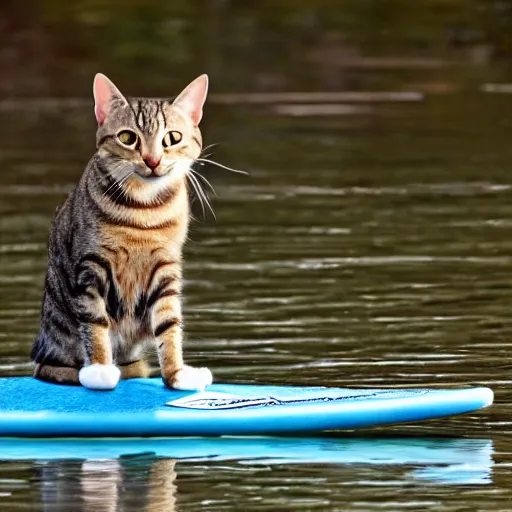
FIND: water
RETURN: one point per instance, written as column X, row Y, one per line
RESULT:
column 369, row 249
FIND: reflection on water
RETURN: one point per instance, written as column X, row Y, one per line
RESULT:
column 106, row 485
column 154, row 475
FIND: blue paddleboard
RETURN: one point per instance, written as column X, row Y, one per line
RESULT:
column 144, row 407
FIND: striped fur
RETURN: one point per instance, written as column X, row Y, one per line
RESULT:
column 115, row 250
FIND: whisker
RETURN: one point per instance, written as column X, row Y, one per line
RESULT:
column 205, row 180
column 204, row 199
column 117, row 183
column 210, row 146
column 121, row 191
column 194, row 186
column 220, row 165
column 204, row 196
column 169, row 167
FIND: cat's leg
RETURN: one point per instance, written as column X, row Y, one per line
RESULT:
column 135, row 369
column 168, row 332
column 100, row 373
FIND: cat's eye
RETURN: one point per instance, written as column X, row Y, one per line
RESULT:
column 171, row 138
column 127, row 137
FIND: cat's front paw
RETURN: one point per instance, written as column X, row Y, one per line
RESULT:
column 190, row 379
column 99, row 376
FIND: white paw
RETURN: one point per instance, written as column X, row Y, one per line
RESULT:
column 193, row 379
column 99, row 376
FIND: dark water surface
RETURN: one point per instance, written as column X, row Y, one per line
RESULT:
column 372, row 250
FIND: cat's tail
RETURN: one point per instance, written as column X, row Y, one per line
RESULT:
column 57, row 374
column 68, row 375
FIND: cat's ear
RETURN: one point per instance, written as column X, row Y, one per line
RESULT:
column 192, row 98
column 104, row 92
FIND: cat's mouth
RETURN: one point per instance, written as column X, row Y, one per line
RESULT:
column 152, row 175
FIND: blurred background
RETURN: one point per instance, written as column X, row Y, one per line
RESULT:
column 369, row 246
column 52, row 48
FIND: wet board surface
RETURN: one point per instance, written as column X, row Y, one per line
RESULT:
column 144, row 407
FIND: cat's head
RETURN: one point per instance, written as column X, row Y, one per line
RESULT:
column 155, row 140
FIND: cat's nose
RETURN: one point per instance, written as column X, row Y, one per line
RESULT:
column 152, row 162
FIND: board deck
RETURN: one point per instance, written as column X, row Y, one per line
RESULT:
column 144, row 407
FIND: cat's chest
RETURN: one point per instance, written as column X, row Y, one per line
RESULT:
column 132, row 273
column 135, row 265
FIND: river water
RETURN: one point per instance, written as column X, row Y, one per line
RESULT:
column 363, row 250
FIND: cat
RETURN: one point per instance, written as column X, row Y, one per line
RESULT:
column 114, row 273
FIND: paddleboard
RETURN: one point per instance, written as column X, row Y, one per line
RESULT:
column 144, row 407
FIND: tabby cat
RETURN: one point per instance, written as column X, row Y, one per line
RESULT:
column 114, row 272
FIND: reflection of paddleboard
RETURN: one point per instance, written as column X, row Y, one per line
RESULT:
column 438, row 459
column 144, row 407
